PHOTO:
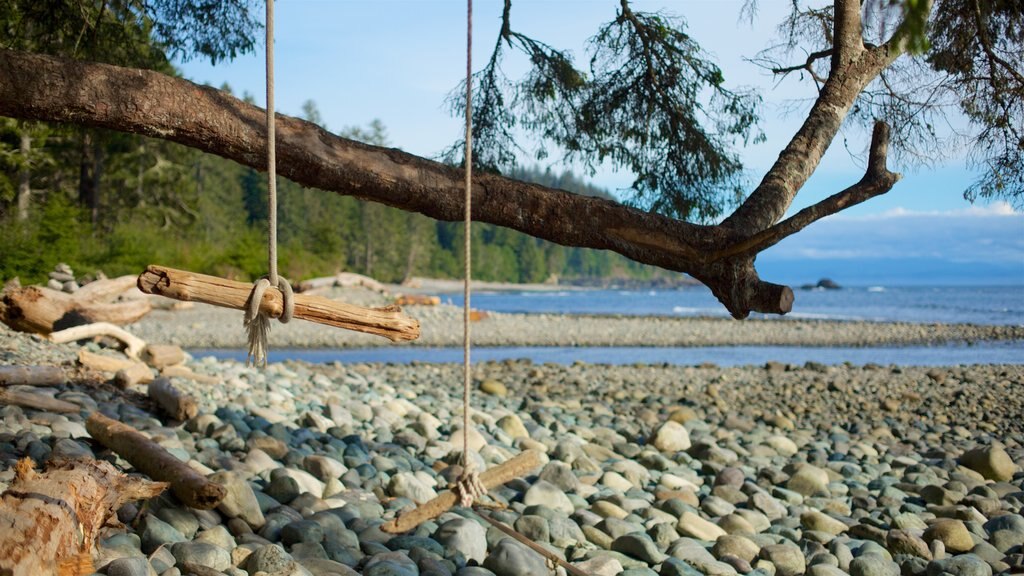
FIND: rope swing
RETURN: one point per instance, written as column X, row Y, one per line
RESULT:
column 257, row 323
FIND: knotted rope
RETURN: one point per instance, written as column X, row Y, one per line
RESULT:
column 468, row 484
column 257, row 323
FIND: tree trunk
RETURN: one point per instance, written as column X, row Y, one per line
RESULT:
column 24, row 174
column 87, row 193
column 52, row 520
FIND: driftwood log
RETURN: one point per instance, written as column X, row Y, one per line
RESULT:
column 341, row 280
column 152, row 460
column 32, row 376
column 35, row 401
column 160, row 356
column 42, row 310
column 174, row 402
column 388, row 321
column 515, row 467
column 51, row 520
column 133, row 344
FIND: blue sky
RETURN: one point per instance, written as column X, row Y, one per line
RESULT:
column 395, row 60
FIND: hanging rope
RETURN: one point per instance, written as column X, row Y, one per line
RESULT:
column 468, row 485
column 257, row 324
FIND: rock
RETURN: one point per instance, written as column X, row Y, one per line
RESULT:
column 952, row 533
column 324, row 468
column 155, row 533
column 130, row 567
column 671, row 436
column 561, row 475
column 240, row 501
column 787, row 559
column 203, row 554
column 600, row 566
column 544, row 493
column 408, row 485
column 962, row 565
column 271, row 559
column 302, row 531
column 694, row 526
column 904, row 542
column 494, row 388
column 513, row 426
column 784, row 446
column 809, row 480
column 640, row 546
column 873, row 565
column 738, row 546
column 465, row 536
column 510, row 558
column 815, row 520
column 992, row 462
column 390, row 564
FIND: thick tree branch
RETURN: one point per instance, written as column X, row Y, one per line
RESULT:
column 142, row 102
column 853, row 68
column 877, row 180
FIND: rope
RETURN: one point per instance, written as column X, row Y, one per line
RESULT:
column 468, row 485
column 256, row 322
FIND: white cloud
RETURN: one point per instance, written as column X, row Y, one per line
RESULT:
column 995, row 209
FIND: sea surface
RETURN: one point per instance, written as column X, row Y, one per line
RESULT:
column 950, row 305
column 973, row 305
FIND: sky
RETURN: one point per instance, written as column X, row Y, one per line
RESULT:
column 396, row 60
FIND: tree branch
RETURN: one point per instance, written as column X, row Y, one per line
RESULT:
column 807, row 65
column 877, row 180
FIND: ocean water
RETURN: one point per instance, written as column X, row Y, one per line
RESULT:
column 954, row 305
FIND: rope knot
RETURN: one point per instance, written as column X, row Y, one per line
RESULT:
column 257, row 322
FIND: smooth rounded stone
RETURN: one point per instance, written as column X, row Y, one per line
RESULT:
column 464, row 536
column 600, row 566
column 677, row 567
column 616, row 481
column 783, row 446
column 68, row 449
column 597, row 537
column 203, row 554
column 301, row 531
column 69, row 429
column 161, row 560
column 155, row 533
column 670, row 436
column 270, row 558
column 730, row 476
column 535, row 528
column 510, row 558
column 240, row 499
column 736, row 524
column 304, row 550
column 694, row 526
column 494, row 388
column 306, row 481
column 138, row 566
column 907, row 521
column 474, row 571
column 564, row 532
column 323, row 567
column 962, row 565
column 390, row 564
column 640, row 546
column 906, row 542
column 952, row 533
column 873, row 565
column 787, row 559
column 218, row 536
column 824, row 570
column 809, row 480
column 512, row 425
column 283, row 489
column 738, row 564
column 544, row 493
column 476, row 440
column 409, row 485
column 821, row 522
column 716, row 507
column 738, row 546
column 324, row 468
column 181, row 519
column 607, row 509
column 992, row 462
column 766, row 504
column 639, row 572
column 271, row 446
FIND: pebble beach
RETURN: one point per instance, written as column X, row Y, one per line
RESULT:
column 771, row 470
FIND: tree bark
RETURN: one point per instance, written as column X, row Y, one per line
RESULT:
column 143, row 102
column 152, row 460
column 52, row 520
column 24, row 174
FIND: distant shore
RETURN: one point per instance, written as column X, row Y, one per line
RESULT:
column 203, row 326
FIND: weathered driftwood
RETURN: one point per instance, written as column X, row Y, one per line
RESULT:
column 417, row 300
column 133, row 344
column 516, row 467
column 152, row 460
column 179, row 371
column 388, row 322
column 160, row 356
column 174, row 402
column 51, row 520
column 137, row 373
column 341, row 280
column 103, row 363
column 32, row 376
column 35, row 401
column 41, row 310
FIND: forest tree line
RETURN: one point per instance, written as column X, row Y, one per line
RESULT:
column 112, row 202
